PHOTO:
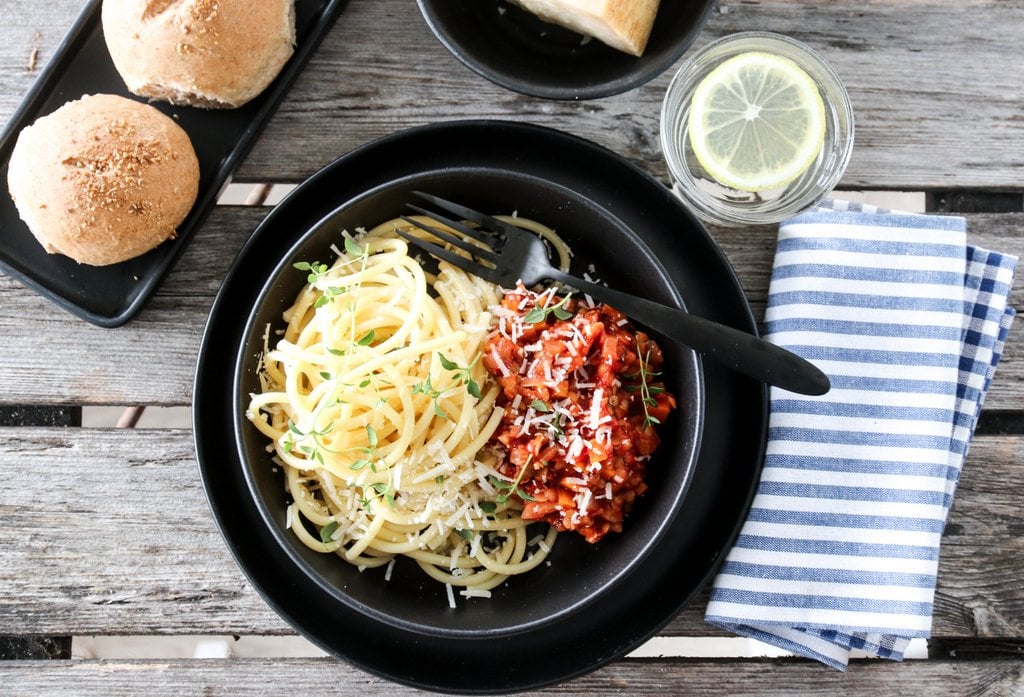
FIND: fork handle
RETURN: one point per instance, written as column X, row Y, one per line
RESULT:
column 735, row 349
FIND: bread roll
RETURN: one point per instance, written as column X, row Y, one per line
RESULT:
column 206, row 53
column 622, row 24
column 103, row 179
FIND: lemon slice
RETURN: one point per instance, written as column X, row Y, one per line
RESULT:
column 757, row 122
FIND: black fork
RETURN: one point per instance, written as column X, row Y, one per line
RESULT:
column 506, row 254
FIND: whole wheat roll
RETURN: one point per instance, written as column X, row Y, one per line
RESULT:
column 103, row 179
column 205, row 53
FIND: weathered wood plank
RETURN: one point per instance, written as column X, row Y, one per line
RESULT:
column 912, row 69
column 151, row 360
column 239, row 677
column 113, row 528
column 909, row 90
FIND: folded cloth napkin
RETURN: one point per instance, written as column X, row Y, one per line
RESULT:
column 841, row 545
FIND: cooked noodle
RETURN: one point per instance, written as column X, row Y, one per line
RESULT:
column 379, row 408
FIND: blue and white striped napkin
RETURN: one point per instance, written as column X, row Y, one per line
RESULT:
column 841, row 545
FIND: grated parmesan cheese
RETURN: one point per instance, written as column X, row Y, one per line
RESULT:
column 505, row 372
column 475, row 593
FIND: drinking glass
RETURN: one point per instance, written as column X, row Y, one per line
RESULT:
column 723, row 205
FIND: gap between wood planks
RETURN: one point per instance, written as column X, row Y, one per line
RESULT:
column 162, row 647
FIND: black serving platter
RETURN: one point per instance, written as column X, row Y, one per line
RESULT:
column 679, row 564
column 109, row 296
column 513, row 48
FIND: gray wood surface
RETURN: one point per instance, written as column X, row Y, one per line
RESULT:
column 109, row 532
column 119, row 522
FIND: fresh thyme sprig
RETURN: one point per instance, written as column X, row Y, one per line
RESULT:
column 512, row 487
column 368, row 452
column 462, row 377
column 462, row 374
column 381, row 489
column 316, row 270
column 435, row 394
column 540, row 314
column 311, row 451
column 646, row 389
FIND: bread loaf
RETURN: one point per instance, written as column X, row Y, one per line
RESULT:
column 103, row 179
column 622, row 24
column 206, row 53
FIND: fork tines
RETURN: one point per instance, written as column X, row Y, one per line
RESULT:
column 486, row 221
column 479, row 234
column 453, row 258
column 454, row 240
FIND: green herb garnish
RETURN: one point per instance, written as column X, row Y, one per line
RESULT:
column 540, row 314
column 428, row 389
column 327, row 532
column 353, row 248
column 512, row 487
column 647, row 390
column 462, row 374
column 316, row 270
column 310, row 444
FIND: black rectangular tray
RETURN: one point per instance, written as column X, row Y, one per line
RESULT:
column 109, row 296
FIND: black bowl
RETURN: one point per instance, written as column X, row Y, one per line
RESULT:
column 515, row 49
column 580, row 573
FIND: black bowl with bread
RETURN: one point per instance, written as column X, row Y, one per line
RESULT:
column 567, row 49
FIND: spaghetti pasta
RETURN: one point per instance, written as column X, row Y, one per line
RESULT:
column 378, row 408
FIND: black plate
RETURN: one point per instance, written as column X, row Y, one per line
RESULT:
column 581, row 574
column 109, row 296
column 515, row 49
column 723, row 481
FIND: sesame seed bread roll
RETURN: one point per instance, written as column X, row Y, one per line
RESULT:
column 215, row 54
column 624, row 25
column 103, row 179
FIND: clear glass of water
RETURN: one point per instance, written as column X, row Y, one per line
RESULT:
column 723, row 205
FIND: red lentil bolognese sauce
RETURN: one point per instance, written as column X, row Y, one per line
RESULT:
column 581, row 396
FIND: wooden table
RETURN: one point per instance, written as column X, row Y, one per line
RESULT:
column 107, row 532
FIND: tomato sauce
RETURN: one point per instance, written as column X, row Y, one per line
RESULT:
column 581, row 396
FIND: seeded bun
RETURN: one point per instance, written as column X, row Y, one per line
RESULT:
column 205, row 53
column 103, row 179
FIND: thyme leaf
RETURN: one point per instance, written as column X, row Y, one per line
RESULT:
column 513, row 487
column 540, row 314
column 353, row 248
column 327, row 532
column 462, row 374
